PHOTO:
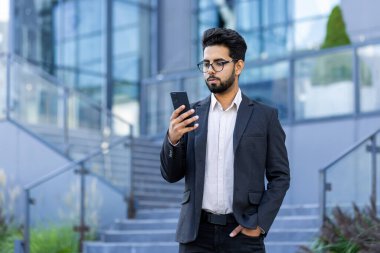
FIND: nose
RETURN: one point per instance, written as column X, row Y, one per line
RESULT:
column 210, row 70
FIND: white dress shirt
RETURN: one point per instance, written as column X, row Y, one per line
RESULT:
column 219, row 171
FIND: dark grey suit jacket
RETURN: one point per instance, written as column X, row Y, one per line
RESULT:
column 259, row 150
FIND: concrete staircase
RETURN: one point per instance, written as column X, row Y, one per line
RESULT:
column 151, row 190
column 158, row 204
column 153, row 231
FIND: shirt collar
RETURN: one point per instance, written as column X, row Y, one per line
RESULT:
column 237, row 100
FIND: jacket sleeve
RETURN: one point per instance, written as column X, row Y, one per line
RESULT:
column 277, row 174
column 173, row 160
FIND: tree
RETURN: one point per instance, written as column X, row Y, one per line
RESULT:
column 336, row 34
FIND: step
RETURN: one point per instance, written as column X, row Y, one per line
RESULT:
column 151, row 204
column 172, row 247
column 158, row 213
column 147, row 156
column 284, row 247
column 311, row 209
column 131, row 247
column 296, row 221
column 279, row 223
column 157, row 235
column 146, row 224
column 148, row 163
column 158, row 188
column 292, row 234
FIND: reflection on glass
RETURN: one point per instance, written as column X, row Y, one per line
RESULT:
column 304, row 9
column 356, row 185
column 247, row 15
column 277, row 41
column 3, row 85
column 369, row 60
column 160, row 105
column 4, row 17
column 269, row 85
column 323, row 86
column 34, row 99
column 309, row 35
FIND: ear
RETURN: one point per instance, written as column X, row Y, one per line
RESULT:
column 239, row 66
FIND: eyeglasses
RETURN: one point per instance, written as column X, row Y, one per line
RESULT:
column 217, row 66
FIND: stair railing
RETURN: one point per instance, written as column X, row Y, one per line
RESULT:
column 345, row 180
column 82, row 168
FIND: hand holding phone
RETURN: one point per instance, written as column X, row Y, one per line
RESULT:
column 177, row 126
column 180, row 98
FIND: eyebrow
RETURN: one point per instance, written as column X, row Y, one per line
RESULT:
column 218, row 59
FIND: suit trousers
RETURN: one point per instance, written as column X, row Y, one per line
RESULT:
column 215, row 239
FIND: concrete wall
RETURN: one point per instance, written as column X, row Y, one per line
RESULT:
column 24, row 160
column 362, row 19
column 174, row 36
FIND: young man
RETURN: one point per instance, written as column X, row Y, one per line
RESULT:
column 225, row 157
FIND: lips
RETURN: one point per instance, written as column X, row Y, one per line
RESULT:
column 212, row 79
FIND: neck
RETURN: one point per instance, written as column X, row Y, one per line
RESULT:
column 226, row 98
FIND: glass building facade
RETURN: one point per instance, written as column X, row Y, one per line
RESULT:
column 108, row 50
column 98, row 47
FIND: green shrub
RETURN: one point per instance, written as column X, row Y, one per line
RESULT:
column 349, row 233
column 54, row 240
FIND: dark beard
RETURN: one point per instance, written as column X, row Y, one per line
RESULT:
column 223, row 85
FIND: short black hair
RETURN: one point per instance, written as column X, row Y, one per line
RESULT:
column 228, row 38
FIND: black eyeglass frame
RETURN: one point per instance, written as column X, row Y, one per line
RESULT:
column 200, row 65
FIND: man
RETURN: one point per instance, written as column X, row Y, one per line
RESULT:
column 225, row 157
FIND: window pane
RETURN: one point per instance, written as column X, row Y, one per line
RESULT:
column 309, row 35
column 269, row 85
column 247, row 15
column 323, row 86
column 304, row 9
column 88, row 10
column 369, row 58
column 126, row 68
column 125, row 15
column 126, row 41
column 91, row 49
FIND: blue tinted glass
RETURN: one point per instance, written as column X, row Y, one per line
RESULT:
column 91, row 48
column 67, row 14
column 126, row 68
column 268, row 84
column 90, row 16
column 254, row 43
column 309, row 34
column 275, row 12
column 126, row 41
column 125, row 15
column 68, row 49
column 247, row 15
column 277, row 41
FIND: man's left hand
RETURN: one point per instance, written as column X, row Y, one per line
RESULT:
column 246, row 231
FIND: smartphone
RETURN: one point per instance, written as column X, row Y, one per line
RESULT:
column 180, row 98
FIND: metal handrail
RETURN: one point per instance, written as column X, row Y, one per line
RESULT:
column 325, row 186
column 82, row 228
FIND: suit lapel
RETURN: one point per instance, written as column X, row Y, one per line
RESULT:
column 200, row 143
column 242, row 118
